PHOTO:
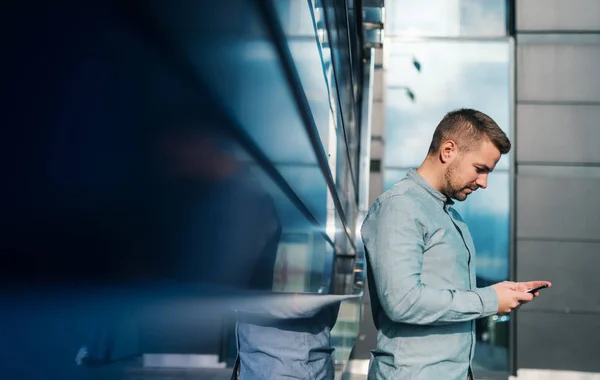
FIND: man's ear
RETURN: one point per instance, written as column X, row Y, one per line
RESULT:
column 448, row 151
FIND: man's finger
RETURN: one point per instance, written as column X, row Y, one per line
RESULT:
column 535, row 284
column 509, row 285
column 522, row 296
column 524, row 286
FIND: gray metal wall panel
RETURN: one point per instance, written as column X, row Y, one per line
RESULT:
column 557, row 214
column 571, row 267
column 558, row 72
column 558, row 133
column 558, row 15
column 558, row 341
column 558, row 208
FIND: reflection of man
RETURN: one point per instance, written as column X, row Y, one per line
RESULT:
column 212, row 229
column 217, row 228
column 230, row 229
column 421, row 257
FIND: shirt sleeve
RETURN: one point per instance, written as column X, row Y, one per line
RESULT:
column 394, row 241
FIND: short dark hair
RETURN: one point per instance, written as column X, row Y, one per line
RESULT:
column 466, row 127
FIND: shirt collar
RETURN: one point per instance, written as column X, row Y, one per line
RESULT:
column 441, row 198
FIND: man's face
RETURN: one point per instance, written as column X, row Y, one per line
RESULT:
column 469, row 170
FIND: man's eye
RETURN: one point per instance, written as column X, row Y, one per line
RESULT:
column 479, row 170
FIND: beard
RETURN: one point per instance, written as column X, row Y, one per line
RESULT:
column 453, row 185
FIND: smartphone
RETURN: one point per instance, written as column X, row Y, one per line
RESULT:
column 536, row 289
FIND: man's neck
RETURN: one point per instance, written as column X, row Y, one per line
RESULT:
column 432, row 174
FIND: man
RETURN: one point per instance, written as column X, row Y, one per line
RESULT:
column 422, row 259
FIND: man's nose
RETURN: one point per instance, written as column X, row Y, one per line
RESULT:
column 482, row 181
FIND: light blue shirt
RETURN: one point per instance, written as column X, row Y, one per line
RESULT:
column 421, row 267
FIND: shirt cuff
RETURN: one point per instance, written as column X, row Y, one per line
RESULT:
column 489, row 301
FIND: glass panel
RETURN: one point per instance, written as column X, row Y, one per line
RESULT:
column 471, row 74
column 344, row 185
column 151, row 186
column 345, row 331
column 272, row 116
column 343, row 270
column 303, row 263
column 296, row 18
column 307, row 181
column 312, row 56
column 246, row 76
column 372, row 14
column 446, row 18
column 342, row 60
column 343, row 244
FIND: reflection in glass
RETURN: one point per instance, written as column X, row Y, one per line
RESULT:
column 446, row 18
column 305, row 254
column 303, row 263
column 160, row 190
column 470, row 75
column 307, row 181
column 301, row 32
column 345, row 331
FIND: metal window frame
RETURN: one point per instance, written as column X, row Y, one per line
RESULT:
column 341, row 121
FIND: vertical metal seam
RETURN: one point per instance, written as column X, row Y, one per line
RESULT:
column 357, row 120
column 512, row 346
column 339, row 102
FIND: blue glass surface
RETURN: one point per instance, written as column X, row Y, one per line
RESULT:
column 246, row 76
column 470, row 75
column 308, row 41
column 300, row 27
column 308, row 181
column 140, row 179
column 446, row 18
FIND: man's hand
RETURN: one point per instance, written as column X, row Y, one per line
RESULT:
column 504, row 304
column 509, row 297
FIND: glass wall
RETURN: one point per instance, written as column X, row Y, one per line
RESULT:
column 192, row 153
column 446, row 18
column 435, row 62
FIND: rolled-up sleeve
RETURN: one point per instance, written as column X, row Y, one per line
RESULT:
column 394, row 241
